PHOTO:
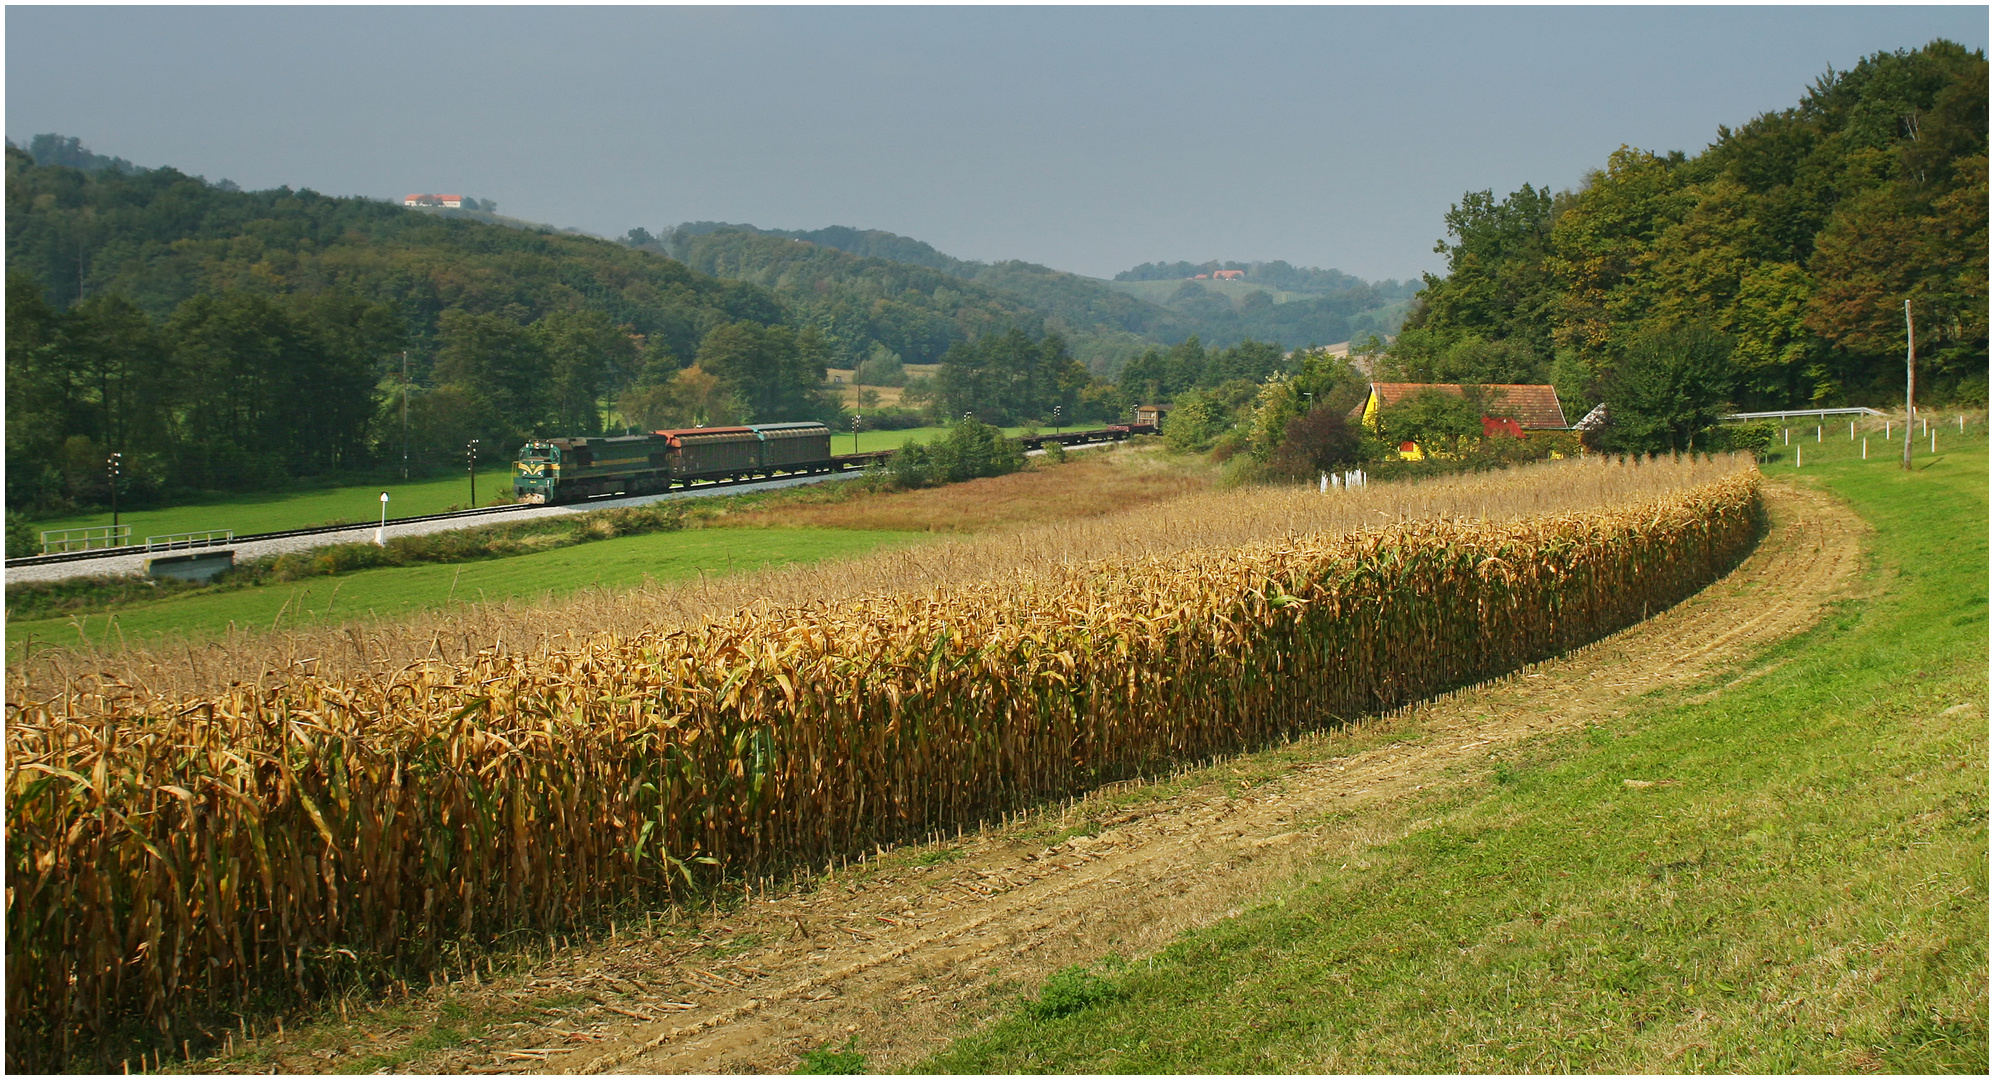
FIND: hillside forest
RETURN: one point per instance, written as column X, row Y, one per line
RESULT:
column 223, row 340
column 857, row 285
column 227, row 340
column 1771, row 270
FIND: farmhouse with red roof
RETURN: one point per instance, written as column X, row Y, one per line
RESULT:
column 1514, row 408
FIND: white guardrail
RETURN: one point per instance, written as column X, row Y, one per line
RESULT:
column 63, row 541
column 1783, row 414
column 176, row 541
column 59, row 541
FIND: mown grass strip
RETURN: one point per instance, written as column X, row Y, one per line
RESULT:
column 1809, row 894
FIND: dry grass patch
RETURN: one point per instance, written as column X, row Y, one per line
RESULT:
column 1093, row 484
column 1202, row 520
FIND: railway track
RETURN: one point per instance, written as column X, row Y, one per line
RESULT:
column 699, row 487
column 841, row 464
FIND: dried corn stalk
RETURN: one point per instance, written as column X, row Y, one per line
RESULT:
column 166, row 855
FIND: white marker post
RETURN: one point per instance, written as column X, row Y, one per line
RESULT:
column 381, row 534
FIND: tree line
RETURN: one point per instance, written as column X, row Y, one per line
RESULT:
column 1770, row 270
column 1274, row 274
column 228, row 340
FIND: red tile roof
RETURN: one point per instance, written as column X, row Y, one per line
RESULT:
column 1533, row 407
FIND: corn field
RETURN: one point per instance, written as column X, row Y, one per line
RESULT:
column 171, row 855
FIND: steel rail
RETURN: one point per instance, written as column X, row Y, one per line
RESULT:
column 845, row 464
column 839, row 463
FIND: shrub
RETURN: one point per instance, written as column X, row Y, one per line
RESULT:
column 1756, row 437
column 23, row 539
column 972, row 449
column 1318, row 441
column 891, row 418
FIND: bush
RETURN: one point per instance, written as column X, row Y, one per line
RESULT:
column 1756, row 437
column 1320, row 440
column 970, row 450
column 892, row 418
column 23, row 539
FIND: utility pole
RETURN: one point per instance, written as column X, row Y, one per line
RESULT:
column 1910, row 379
column 404, row 415
column 471, row 463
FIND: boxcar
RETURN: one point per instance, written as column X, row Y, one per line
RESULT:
column 794, row 446
column 716, row 453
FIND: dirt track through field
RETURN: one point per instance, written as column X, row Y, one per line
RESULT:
column 890, row 955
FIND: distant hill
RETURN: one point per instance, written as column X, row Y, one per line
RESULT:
column 158, row 236
column 869, row 243
column 1272, row 275
column 1231, row 310
column 489, row 215
column 917, row 307
column 1106, row 321
column 228, row 339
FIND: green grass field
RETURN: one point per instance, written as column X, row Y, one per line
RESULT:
column 869, row 441
column 1812, row 897
column 390, row 592
column 275, row 512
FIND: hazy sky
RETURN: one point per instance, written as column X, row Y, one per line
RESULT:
column 1089, row 139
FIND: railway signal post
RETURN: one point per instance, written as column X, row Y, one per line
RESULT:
column 116, row 465
column 471, row 463
column 381, row 533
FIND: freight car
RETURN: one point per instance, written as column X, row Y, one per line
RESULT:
column 567, row 469
column 570, row 469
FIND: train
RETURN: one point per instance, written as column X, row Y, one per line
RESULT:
column 580, row 467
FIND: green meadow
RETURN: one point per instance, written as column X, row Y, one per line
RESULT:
column 276, row 511
column 361, row 503
column 1810, row 897
column 396, row 591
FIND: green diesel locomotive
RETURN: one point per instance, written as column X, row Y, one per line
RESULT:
column 565, row 470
